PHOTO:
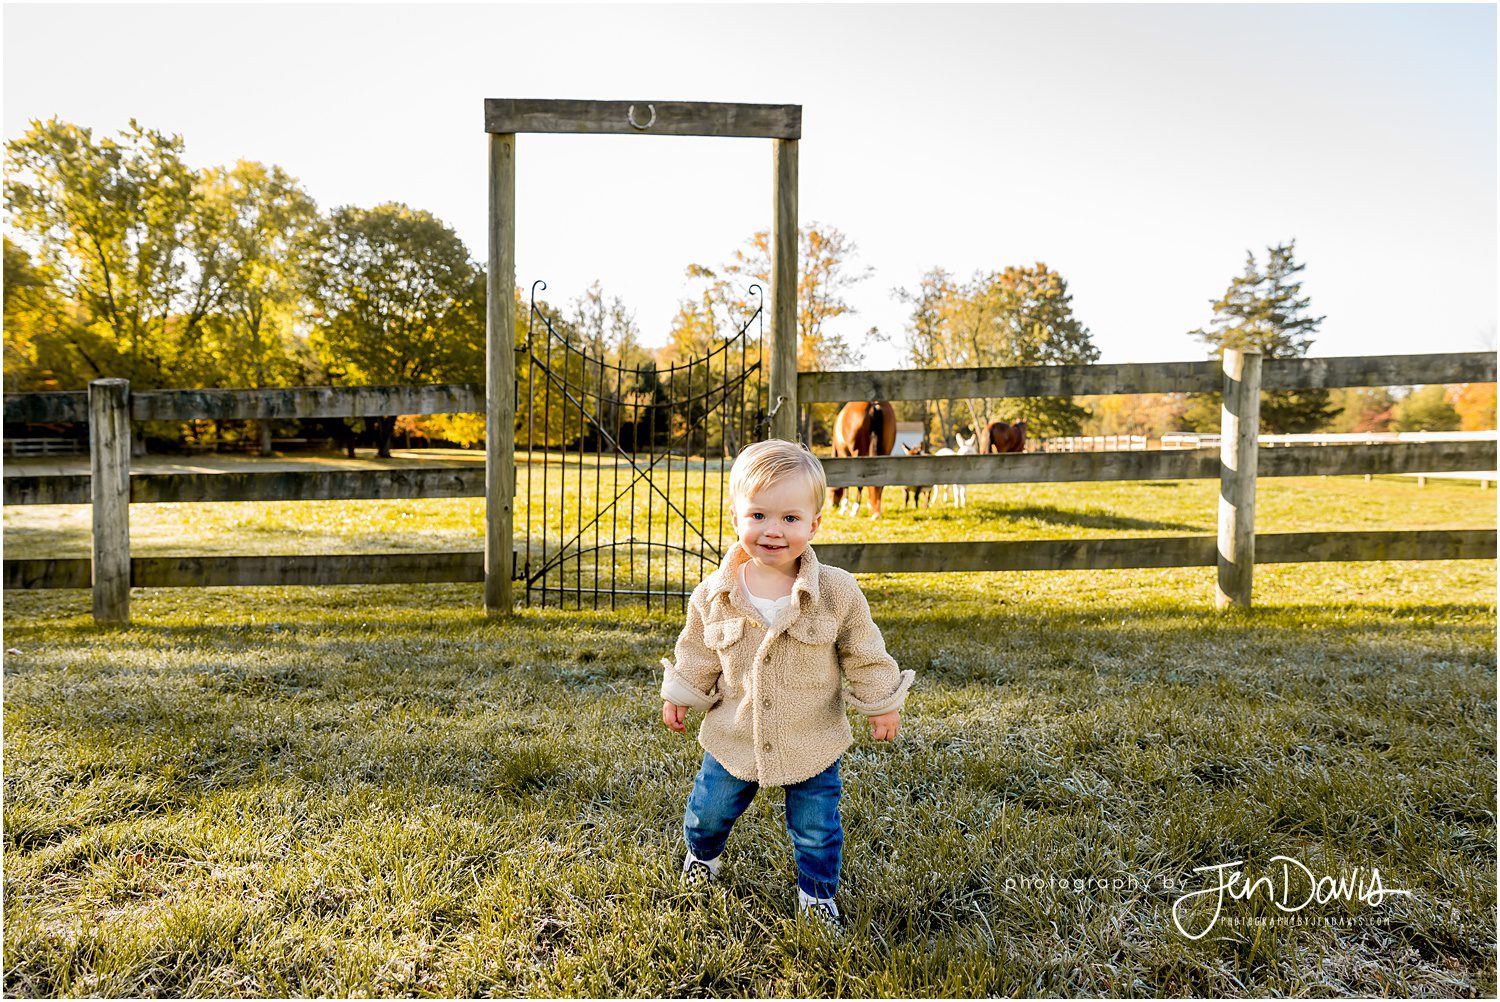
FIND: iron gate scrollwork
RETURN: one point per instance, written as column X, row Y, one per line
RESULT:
column 626, row 467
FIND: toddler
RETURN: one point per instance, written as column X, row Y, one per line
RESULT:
column 768, row 636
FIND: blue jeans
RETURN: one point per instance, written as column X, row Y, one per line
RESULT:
column 812, row 819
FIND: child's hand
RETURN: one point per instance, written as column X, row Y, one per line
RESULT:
column 672, row 714
column 885, row 726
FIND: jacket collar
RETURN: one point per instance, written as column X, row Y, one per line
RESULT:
column 726, row 580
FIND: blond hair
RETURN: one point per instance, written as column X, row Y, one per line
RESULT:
column 765, row 463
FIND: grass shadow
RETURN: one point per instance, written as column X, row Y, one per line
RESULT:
column 1091, row 519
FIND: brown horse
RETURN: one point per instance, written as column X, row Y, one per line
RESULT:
column 864, row 428
column 998, row 436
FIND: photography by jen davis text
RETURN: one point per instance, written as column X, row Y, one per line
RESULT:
column 1201, row 901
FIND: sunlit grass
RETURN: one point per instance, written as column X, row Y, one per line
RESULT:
column 380, row 791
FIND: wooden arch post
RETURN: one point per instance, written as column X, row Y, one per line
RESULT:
column 782, row 377
column 503, row 119
column 500, row 379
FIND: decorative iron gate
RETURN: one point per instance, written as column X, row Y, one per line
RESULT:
column 626, row 468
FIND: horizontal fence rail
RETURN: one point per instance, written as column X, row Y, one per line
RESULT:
column 283, row 485
column 859, row 558
column 282, row 402
column 1141, row 377
column 884, row 471
column 232, row 570
column 1148, row 551
column 1171, row 464
column 812, row 387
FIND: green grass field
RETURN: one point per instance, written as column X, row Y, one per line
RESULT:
column 378, row 791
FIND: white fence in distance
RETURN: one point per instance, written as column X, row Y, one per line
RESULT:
column 1189, row 440
column 1093, row 443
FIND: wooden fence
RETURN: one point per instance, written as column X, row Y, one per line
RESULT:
column 109, row 407
column 1236, row 462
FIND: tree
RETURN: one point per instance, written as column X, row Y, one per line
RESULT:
column 1033, row 312
column 1017, row 316
column 1266, row 311
column 1361, row 409
column 702, row 350
column 718, row 308
column 48, row 345
column 543, row 414
column 1426, row 409
column 263, row 228
column 826, row 273
column 1133, row 413
column 112, row 219
column 1475, row 404
column 397, row 301
column 614, row 363
column 607, row 328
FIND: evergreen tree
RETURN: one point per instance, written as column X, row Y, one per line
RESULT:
column 1266, row 310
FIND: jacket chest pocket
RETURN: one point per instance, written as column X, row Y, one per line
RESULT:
column 726, row 637
column 813, row 660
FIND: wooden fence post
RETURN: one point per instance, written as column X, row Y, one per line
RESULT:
column 1238, row 450
column 783, row 356
column 109, row 464
column 500, row 380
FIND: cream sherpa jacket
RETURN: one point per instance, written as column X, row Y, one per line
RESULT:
column 777, row 716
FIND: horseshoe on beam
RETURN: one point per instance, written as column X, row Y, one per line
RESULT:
column 649, row 122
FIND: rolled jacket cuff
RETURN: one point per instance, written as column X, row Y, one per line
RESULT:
column 892, row 702
column 675, row 690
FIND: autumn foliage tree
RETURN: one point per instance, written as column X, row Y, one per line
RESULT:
column 397, row 299
column 1475, row 404
column 1361, row 409
column 130, row 263
column 722, row 303
column 49, row 345
column 1016, row 316
column 264, row 226
column 1147, row 414
column 110, row 221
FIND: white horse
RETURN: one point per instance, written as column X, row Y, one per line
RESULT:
column 959, row 493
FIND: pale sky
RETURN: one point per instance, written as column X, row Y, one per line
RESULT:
column 1138, row 150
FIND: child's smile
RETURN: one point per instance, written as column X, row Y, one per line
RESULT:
column 776, row 524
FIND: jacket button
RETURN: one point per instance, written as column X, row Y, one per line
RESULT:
column 767, row 746
column 765, row 702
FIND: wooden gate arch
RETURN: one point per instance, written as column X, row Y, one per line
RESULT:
column 504, row 118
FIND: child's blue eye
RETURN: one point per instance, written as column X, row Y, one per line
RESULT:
column 791, row 518
column 757, row 515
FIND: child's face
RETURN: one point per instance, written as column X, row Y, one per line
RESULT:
column 776, row 523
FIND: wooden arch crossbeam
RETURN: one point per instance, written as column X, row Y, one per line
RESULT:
column 662, row 118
